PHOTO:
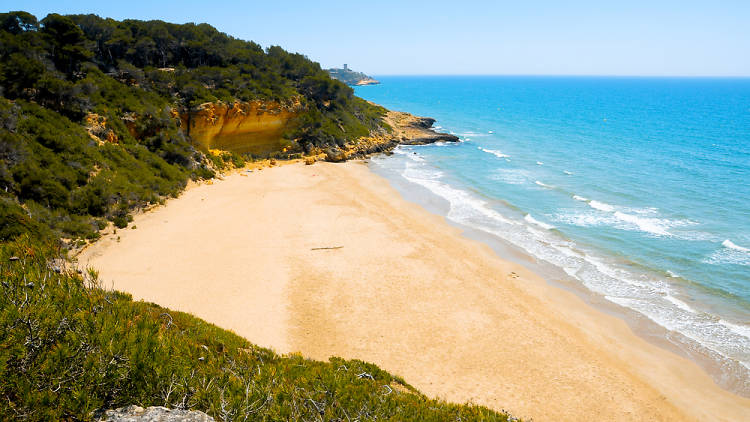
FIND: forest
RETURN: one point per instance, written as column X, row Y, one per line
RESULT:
column 89, row 114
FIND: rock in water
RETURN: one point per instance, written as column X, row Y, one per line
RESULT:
column 154, row 414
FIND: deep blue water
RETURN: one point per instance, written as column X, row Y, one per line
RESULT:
column 637, row 188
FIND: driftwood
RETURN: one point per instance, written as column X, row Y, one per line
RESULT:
column 326, row 247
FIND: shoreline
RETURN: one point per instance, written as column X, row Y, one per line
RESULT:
column 714, row 365
column 447, row 288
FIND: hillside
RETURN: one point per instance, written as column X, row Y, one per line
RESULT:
column 96, row 115
column 351, row 77
column 70, row 349
column 99, row 118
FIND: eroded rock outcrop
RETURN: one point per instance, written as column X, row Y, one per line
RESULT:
column 255, row 127
column 96, row 126
column 258, row 127
column 406, row 129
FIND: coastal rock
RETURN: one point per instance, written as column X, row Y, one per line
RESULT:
column 415, row 130
column 154, row 414
column 336, row 155
column 367, row 81
column 422, row 122
column 431, row 138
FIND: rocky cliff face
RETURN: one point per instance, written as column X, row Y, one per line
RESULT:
column 252, row 127
column 405, row 128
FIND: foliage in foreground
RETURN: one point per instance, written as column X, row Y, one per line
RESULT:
column 69, row 349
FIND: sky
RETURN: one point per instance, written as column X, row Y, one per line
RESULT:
column 384, row 37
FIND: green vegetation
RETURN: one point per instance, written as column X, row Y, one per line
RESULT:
column 69, row 348
column 90, row 108
column 90, row 130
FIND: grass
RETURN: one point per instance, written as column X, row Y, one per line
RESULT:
column 70, row 349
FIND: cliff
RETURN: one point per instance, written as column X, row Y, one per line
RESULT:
column 258, row 127
column 255, row 127
column 405, row 128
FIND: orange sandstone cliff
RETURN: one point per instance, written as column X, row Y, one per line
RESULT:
column 255, row 127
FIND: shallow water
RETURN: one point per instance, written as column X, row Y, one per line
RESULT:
column 637, row 188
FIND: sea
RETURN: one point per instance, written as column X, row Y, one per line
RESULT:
column 633, row 192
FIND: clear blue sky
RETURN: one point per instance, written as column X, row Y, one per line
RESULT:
column 630, row 37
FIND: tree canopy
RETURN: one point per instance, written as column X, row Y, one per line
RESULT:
column 69, row 82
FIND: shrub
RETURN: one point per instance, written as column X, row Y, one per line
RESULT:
column 69, row 348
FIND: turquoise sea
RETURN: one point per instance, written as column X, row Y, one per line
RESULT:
column 636, row 190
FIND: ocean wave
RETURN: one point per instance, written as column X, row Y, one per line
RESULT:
column 731, row 245
column 494, row 152
column 601, row 206
column 680, row 304
column 569, row 173
column 544, row 185
column 653, row 226
column 463, row 205
column 648, row 294
column 539, row 163
column 472, row 133
column 533, row 220
column 511, row 176
column 729, row 255
column 743, row 330
column 649, row 225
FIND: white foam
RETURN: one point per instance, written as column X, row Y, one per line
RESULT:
column 573, row 272
column 494, row 152
column 533, row 220
column 646, row 294
column 601, row 206
column 673, row 274
column 728, row 255
column 489, row 131
column 462, row 204
column 649, row 225
column 471, row 133
column 743, row 330
column 729, row 244
column 568, row 172
column 544, row 185
column 680, row 304
column 511, row 176
column 539, row 163
column 580, row 198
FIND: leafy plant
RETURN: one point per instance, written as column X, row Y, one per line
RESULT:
column 70, row 349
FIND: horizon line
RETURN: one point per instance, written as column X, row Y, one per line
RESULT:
column 581, row 75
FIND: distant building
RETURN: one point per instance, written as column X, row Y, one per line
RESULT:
column 346, row 66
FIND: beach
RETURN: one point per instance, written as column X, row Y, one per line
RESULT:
column 329, row 260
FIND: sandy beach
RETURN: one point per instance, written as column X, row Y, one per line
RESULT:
column 329, row 260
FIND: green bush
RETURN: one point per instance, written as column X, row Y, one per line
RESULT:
column 69, row 348
column 135, row 79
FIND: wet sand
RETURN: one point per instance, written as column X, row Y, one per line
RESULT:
column 330, row 260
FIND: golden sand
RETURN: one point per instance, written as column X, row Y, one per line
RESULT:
column 329, row 260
